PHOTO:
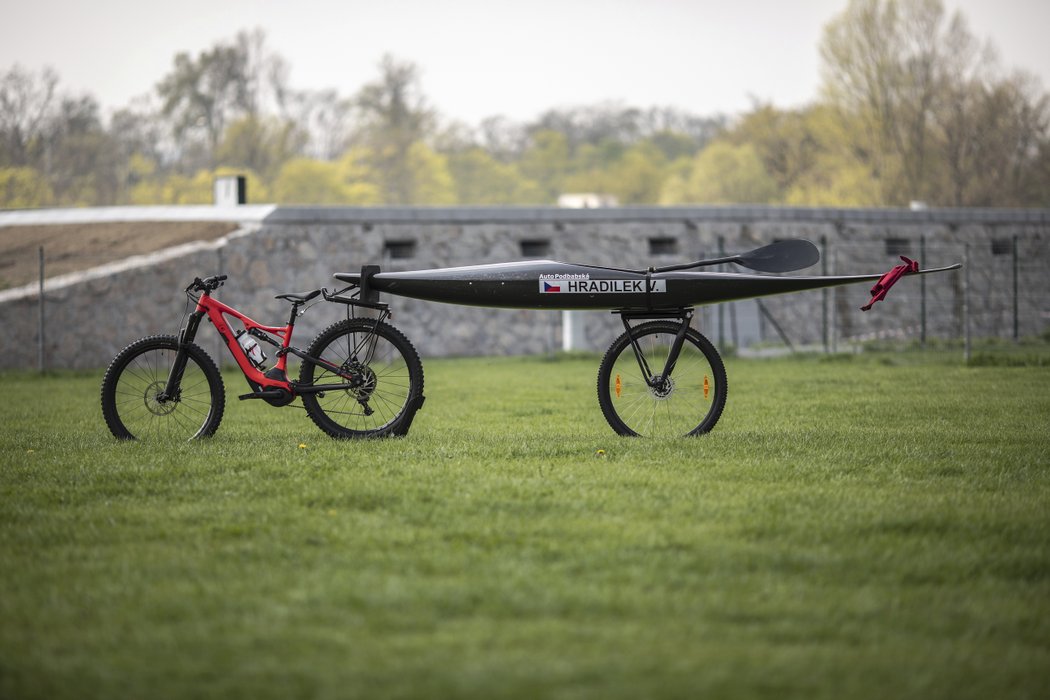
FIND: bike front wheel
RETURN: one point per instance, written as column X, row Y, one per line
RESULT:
column 382, row 364
column 133, row 401
column 687, row 402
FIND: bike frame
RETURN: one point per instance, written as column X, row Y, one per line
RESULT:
column 273, row 384
column 217, row 312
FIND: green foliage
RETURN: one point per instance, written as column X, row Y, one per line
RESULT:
column 1009, row 359
column 912, row 107
column 633, row 176
column 546, row 162
column 834, row 536
column 723, row 174
column 934, row 119
column 259, row 145
column 182, row 189
column 481, row 179
column 22, row 188
column 305, row 181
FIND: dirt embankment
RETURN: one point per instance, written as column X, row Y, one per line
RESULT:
column 73, row 247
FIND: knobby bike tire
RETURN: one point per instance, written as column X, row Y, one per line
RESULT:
column 691, row 403
column 393, row 379
column 139, row 373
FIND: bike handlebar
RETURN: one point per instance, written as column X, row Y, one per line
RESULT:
column 208, row 284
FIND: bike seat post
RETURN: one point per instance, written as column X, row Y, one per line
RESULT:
column 294, row 314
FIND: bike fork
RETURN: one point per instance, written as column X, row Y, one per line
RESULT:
column 672, row 356
column 186, row 335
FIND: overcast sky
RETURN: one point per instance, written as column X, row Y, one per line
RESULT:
column 481, row 58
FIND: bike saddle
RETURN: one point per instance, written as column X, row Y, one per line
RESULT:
column 299, row 298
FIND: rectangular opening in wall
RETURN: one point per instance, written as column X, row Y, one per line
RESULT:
column 898, row 246
column 1002, row 246
column 535, row 248
column 663, row 246
column 399, row 250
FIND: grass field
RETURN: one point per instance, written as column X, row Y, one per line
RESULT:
column 861, row 526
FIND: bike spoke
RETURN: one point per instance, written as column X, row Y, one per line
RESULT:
column 134, row 406
column 673, row 405
column 383, row 383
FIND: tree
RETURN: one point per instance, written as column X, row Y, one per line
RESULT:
column 431, row 181
column 723, row 174
column 934, row 121
column 201, row 96
column 25, row 108
column 395, row 118
column 23, row 188
column 173, row 189
column 84, row 167
column 634, row 175
column 324, row 118
column 360, row 184
column 546, row 162
column 260, row 144
column 881, row 65
column 992, row 134
column 305, row 181
column 503, row 139
column 481, row 179
column 138, row 137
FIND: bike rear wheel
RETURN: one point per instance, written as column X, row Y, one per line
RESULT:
column 384, row 363
column 132, row 392
column 688, row 402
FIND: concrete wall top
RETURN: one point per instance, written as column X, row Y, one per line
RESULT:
column 273, row 214
column 337, row 215
column 90, row 215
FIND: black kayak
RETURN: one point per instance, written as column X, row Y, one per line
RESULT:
column 548, row 284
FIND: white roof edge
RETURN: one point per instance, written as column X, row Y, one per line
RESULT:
column 86, row 215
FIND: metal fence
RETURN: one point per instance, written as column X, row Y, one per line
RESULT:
column 1001, row 292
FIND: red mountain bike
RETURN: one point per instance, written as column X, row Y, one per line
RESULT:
column 360, row 377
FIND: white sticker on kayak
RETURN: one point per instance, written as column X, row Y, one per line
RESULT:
column 601, row 286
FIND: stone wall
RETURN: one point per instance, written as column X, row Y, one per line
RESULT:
column 90, row 317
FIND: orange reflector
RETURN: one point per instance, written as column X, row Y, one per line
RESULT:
column 707, row 386
column 619, row 386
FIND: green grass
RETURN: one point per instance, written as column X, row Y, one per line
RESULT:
column 858, row 526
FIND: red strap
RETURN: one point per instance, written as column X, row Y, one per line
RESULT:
column 878, row 292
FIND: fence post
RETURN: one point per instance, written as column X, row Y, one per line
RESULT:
column 833, row 269
column 922, row 292
column 824, row 294
column 1017, row 335
column 966, row 303
column 721, row 307
column 40, row 345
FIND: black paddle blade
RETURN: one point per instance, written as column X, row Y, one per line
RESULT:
column 782, row 256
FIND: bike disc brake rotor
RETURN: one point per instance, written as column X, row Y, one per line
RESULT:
column 364, row 377
column 661, row 390
column 153, row 404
